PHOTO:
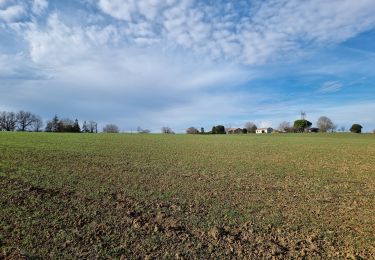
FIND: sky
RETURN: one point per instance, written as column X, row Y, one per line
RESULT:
column 182, row 63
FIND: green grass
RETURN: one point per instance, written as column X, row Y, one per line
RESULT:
column 312, row 183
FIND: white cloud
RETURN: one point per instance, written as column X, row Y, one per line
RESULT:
column 12, row 13
column 275, row 29
column 119, row 9
column 127, row 10
column 56, row 45
column 331, row 86
column 39, row 6
column 132, row 85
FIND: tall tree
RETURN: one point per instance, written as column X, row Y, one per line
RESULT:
column 250, row 127
column 25, row 120
column 302, row 124
column 91, row 126
column 76, row 127
column 8, row 121
column 55, row 124
column 325, row 124
column 38, row 124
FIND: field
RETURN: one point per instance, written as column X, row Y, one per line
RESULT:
column 180, row 196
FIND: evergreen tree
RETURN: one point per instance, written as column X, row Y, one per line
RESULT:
column 55, row 124
column 76, row 128
column 302, row 124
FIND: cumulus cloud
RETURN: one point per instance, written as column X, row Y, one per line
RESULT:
column 57, row 43
column 12, row 13
column 131, row 85
column 253, row 36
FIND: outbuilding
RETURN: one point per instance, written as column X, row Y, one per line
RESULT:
column 234, row 131
column 264, row 130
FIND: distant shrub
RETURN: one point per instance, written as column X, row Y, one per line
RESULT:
column 166, row 130
column 192, row 131
column 111, row 128
column 219, row 129
column 356, row 128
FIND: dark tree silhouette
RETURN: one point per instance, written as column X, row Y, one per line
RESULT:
column 219, row 129
column 301, row 124
column 8, row 121
column 356, row 128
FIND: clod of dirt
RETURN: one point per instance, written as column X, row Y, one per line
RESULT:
column 217, row 233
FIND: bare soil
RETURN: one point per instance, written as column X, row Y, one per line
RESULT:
column 69, row 225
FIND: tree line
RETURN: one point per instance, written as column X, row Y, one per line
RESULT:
column 26, row 121
column 324, row 125
column 21, row 121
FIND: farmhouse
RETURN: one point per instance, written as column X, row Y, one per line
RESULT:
column 264, row 130
column 234, row 131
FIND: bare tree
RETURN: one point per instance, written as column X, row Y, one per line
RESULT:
column 25, row 120
column 325, row 124
column 192, row 130
column 250, row 127
column 38, row 124
column 166, row 130
column 92, row 127
column 342, row 128
column 111, row 128
column 284, row 126
column 8, row 121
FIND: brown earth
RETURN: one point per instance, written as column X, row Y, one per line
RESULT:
column 64, row 224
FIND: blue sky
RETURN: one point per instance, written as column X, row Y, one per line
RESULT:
column 182, row 63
